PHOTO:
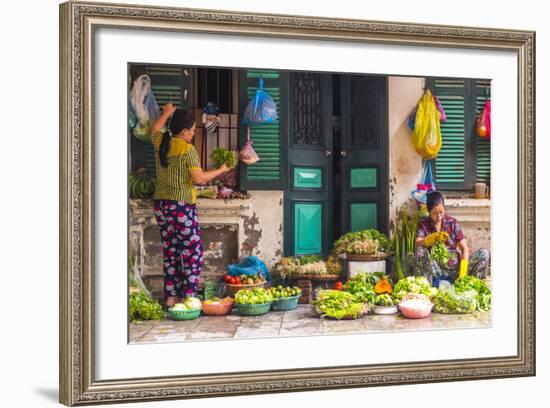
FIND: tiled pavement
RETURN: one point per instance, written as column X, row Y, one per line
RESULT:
column 302, row 321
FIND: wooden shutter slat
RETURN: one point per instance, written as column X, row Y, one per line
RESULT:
column 450, row 161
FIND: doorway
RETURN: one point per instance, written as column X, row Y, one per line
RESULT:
column 338, row 159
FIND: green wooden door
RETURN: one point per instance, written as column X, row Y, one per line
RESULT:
column 309, row 189
column 362, row 157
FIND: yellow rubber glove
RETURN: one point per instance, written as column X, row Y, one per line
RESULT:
column 443, row 236
column 463, row 271
column 431, row 239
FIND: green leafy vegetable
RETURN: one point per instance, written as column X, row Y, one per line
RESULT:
column 338, row 304
column 440, row 254
column 362, row 287
column 451, row 301
column 144, row 308
column 220, row 156
column 384, row 300
column 483, row 292
column 308, row 259
column 412, row 284
column 369, row 241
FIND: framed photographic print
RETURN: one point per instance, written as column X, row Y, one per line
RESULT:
column 254, row 203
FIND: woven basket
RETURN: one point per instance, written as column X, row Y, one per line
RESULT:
column 366, row 258
column 253, row 310
column 184, row 314
column 285, row 303
column 221, row 309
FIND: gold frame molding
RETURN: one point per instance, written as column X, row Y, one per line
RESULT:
column 78, row 22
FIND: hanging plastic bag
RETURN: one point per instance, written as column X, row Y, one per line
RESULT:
column 247, row 154
column 260, row 109
column 483, row 122
column 426, row 185
column 427, row 133
column 144, row 108
column 412, row 117
column 443, row 115
column 250, row 265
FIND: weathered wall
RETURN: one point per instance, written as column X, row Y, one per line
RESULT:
column 405, row 164
column 230, row 229
column 406, row 167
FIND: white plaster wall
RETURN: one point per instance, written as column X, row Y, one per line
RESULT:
column 268, row 206
column 405, row 164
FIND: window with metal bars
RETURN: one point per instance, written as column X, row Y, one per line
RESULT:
column 187, row 88
column 464, row 158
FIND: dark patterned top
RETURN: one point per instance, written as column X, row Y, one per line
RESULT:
column 449, row 225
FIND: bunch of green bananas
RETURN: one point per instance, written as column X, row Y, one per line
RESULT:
column 141, row 184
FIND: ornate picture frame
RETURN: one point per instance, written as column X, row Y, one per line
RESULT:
column 78, row 25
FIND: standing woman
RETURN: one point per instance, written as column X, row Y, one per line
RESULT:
column 439, row 226
column 178, row 168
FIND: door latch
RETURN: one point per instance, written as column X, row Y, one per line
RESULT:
column 343, row 153
column 328, row 153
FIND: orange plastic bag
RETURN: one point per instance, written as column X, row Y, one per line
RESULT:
column 427, row 132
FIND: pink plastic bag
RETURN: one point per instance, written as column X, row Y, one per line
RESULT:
column 247, row 154
column 483, row 123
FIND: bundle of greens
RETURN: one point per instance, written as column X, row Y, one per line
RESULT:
column 362, row 287
column 309, row 259
column 483, row 293
column 451, row 301
column 412, row 284
column 292, row 266
column 333, row 264
column 440, row 254
column 385, row 300
column 221, row 155
column 142, row 307
column 365, row 242
column 337, row 304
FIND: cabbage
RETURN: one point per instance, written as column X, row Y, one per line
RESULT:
column 192, row 303
column 179, row 306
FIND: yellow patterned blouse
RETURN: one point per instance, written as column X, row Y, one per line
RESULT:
column 174, row 182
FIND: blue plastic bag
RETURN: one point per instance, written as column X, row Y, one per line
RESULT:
column 251, row 265
column 260, row 109
column 422, row 189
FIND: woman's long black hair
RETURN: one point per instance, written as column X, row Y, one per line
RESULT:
column 433, row 199
column 181, row 119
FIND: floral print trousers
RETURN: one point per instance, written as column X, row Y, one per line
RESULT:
column 181, row 245
column 478, row 265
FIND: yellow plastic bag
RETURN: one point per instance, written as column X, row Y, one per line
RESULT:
column 427, row 133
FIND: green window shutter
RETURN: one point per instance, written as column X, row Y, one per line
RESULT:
column 170, row 84
column 267, row 139
column 483, row 144
column 450, row 163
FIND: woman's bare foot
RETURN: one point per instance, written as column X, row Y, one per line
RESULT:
column 171, row 301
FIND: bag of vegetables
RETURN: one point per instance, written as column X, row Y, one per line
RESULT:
column 451, row 301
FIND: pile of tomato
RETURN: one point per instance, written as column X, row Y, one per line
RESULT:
column 243, row 279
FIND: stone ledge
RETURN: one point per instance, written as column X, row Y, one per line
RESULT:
column 206, row 206
column 467, row 202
